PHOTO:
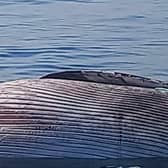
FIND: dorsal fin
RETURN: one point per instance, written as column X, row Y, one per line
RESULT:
column 115, row 78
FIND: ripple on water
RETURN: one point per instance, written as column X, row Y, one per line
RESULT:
column 42, row 36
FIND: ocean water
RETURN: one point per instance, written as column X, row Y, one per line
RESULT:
column 43, row 36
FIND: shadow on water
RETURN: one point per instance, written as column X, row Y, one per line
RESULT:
column 84, row 163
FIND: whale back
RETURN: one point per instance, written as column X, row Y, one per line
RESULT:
column 115, row 78
column 77, row 119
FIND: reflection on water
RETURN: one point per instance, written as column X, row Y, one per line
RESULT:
column 42, row 36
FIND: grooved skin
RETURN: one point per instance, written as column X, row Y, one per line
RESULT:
column 64, row 118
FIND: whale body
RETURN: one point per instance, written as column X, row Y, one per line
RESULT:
column 84, row 115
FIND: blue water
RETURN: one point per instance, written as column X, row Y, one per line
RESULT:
column 42, row 36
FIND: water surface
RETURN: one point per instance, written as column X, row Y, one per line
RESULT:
column 43, row 36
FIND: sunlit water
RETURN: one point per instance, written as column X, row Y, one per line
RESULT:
column 43, row 36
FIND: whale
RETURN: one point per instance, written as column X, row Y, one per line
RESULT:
column 84, row 114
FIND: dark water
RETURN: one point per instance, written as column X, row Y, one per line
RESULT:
column 83, row 163
column 43, row 36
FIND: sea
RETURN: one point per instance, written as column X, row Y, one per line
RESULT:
column 38, row 37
